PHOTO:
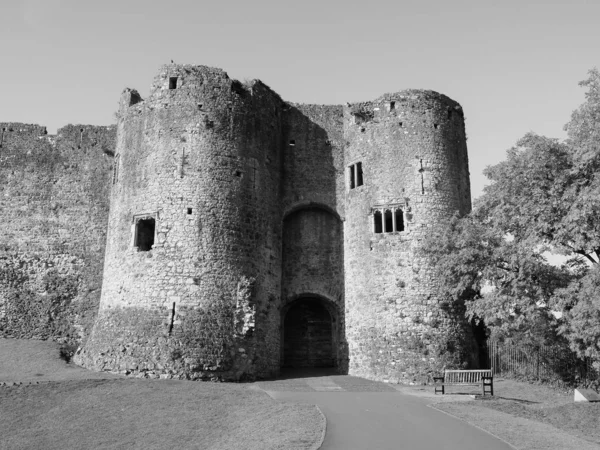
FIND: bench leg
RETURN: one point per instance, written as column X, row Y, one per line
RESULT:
column 490, row 390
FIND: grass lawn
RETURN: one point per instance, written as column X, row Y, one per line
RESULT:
column 541, row 403
column 116, row 413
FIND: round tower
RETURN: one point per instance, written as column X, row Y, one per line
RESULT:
column 406, row 173
column 194, row 231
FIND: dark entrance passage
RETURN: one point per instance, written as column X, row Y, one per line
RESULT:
column 308, row 335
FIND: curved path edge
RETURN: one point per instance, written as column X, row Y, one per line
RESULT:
column 474, row 425
column 518, row 432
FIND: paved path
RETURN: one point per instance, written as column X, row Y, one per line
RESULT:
column 366, row 415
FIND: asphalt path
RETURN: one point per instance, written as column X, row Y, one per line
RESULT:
column 385, row 420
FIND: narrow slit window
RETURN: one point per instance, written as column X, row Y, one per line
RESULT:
column 378, row 222
column 116, row 169
column 352, row 179
column 144, row 234
column 389, row 222
column 399, row 220
column 449, row 114
column 172, row 82
column 359, row 174
column 392, row 106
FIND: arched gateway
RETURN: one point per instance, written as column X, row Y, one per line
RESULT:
column 309, row 334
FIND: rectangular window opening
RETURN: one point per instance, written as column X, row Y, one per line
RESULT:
column 399, row 220
column 189, row 210
column 389, row 222
column 449, row 114
column 292, row 142
column 359, row 174
column 172, row 82
column 378, row 223
column 144, row 234
column 352, row 180
column 392, row 106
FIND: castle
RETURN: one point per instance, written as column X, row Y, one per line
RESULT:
column 245, row 233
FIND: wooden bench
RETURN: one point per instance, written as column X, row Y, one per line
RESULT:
column 483, row 378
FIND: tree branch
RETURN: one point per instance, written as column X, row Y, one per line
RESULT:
column 582, row 253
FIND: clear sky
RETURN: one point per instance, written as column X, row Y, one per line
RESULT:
column 514, row 65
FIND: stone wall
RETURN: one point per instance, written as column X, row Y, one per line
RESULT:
column 231, row 209
column 201, row 157
column 412, row 150
column 53, row 210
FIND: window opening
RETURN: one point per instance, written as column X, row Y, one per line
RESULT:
column 389, row 222
column 449, row 114
column 172, row 319
column 399, row 216
column 392, row 106
column 359, row 174
column 292, row 142
column 421, row 170
column 435, row 125
column 144, row 234
column 388, row 219
column 182, row 163
column 116, row 169
column 173, row 83
column 400, row 123
column 355, row 175
column 378, row 222
column 189, row 210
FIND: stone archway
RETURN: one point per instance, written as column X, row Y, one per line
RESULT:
column 308, row 334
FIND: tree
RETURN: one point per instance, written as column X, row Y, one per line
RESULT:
column 544, row 196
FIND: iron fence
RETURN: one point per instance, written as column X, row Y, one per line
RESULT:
column 540, row 362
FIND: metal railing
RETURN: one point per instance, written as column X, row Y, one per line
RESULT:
column 539, row 362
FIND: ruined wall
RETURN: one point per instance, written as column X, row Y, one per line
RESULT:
column 200, row 156
column 53, row 210
column 412, row 150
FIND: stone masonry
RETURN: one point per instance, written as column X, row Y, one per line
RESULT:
column 246, row 232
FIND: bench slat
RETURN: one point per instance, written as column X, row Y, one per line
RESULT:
column 465, row 376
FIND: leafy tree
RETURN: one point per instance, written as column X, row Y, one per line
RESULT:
column 501, row 280
column 544, row 196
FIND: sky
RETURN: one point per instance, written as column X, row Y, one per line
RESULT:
column 514, row 65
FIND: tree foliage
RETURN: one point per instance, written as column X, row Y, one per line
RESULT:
column 544, row 196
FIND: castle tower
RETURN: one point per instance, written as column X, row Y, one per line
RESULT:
column 247, row 234
column 406, row 172
column 194, row 234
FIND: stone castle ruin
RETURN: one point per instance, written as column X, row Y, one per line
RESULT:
column 245, row 233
